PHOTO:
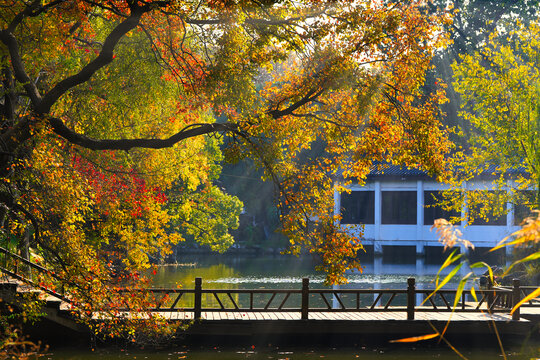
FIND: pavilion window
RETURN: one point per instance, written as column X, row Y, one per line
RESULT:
column 433, row 211
column 524, row 208
column 358, row 207
column 399, row 207
column 491, row 219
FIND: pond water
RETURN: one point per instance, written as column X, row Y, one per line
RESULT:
column 287, row 272
column 268, row 272
column 275, row 353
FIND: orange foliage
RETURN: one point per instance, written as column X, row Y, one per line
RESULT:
column 312, row 91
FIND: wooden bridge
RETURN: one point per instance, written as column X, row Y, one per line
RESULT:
column 322, row 314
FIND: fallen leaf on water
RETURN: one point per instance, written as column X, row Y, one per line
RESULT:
column 415, row 338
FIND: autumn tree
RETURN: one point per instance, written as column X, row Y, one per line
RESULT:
column 499, row 86
column 472, row 23
column 109, row 106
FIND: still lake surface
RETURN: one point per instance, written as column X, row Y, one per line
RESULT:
column 269, row 272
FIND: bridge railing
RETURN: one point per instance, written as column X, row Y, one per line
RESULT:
column 306, row 300
column 525, row 291
column 17, row 268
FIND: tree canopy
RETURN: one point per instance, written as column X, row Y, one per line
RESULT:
column 91, row 90
column 499, row 87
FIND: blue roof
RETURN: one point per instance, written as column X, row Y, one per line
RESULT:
column 394, row 171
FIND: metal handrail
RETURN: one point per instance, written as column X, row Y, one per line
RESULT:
column 28, row 281
column 29, row 263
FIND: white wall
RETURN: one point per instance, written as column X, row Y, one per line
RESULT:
column 420, row 235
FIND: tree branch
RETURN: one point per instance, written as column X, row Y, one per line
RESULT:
column 310, row 96
column 126, row 144
column 6, row 36
column 260, row 22
column 28, row 10
column 18, row 67
column 105, row 57
column 8, row 85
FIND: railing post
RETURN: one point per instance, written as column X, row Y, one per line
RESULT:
column 197, row 309
column 516, row 297
column 305, row 298
column 490, row 298
column 411, row 292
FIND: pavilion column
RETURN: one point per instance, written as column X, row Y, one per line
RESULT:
column 509, row 224
column 337, row 202
column 464, row 211
column 419, row 217
column 377, row 247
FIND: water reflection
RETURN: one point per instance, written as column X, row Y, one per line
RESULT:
column 184, row 274
column 265, row 353
column 222, row 272
column 285, row 272
column 245, row 272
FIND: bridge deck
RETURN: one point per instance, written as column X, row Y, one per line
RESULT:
column 338, row 316
column 348, row 327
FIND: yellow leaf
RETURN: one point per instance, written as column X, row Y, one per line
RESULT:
column 415, row 338
column 531, row 296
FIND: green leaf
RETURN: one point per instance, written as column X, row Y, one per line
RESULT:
column 481, row 264
column 460, row 288
column 446, row 279
column 473, row 294
column 531, row 257
column 449, row 260
column 532, row 295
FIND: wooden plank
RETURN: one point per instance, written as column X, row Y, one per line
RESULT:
column 289, row 316
column 330, row 316
column 356, row 316
column 459, row 316
column 252, row 316
column 314, row 315
column 273, row 315
column 370, row 316
column 296, row 315
column 377, row 316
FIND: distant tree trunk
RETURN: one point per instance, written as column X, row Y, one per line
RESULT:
column 537, row 204
column 25, row 251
